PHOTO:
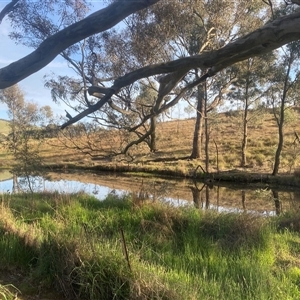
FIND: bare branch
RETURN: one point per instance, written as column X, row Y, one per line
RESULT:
column 90, row 110
column 173, row 102
column 269, row 3
column 98, row 91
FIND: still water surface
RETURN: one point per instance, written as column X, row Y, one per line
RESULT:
column 263, row 200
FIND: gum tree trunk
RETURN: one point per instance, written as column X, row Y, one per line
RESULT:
column 197, row 140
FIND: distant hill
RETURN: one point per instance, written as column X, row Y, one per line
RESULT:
column 4, row 127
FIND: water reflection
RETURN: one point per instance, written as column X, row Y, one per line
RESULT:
column 203, row 195
column 258, row 201
column 61, row 186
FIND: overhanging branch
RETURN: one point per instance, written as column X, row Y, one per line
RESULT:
column 8, row 8
column 51, row 47
column 89, row 110
column 265, row 39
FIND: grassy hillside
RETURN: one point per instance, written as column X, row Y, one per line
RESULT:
column 225, row 130
column 174, row 144
column 4, row 127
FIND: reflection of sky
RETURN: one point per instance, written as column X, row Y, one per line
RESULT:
column 220, row 209
column 100, row 192
column 66, row 186
column 72, row 186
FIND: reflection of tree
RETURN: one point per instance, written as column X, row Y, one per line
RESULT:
column 244, row 199
column 296, row 198
column 218, row 196
column 15, row 187
column 197, row 193
column 27, row 183
column 24, row 138
column 207, row 188
column 278, row 207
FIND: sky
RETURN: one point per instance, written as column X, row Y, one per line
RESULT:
column 32, row 86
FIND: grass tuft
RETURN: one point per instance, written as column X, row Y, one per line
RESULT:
column 235, row 230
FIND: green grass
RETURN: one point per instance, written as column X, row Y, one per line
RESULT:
column 73, row 243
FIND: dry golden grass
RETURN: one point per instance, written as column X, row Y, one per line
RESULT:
column 174, row 144
column 5, row 128
column 175, row 140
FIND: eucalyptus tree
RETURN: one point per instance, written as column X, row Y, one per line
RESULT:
column 124, row 110
column 272, row 35
column 211, row 29
column 25, row 136
column 128, row 47
column 250, row 88
column 144, row 105
column 284, row 80
column 175, row 29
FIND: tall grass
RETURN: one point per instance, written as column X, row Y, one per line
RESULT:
column 8, row 292
column 74, row 243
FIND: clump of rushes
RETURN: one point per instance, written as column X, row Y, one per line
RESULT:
column 121, row 248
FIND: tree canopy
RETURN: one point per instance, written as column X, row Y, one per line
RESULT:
column 281, row 30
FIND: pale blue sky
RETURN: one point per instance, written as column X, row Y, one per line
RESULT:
column 33, row 86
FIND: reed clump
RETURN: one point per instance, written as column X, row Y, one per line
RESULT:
column 121, row 248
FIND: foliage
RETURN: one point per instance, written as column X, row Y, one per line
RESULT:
column 177, row 45
column 25, row 137
column 284, row 85
column 33, row 21
column 73, row 242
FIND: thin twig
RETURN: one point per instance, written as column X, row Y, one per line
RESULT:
column 125, row 248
